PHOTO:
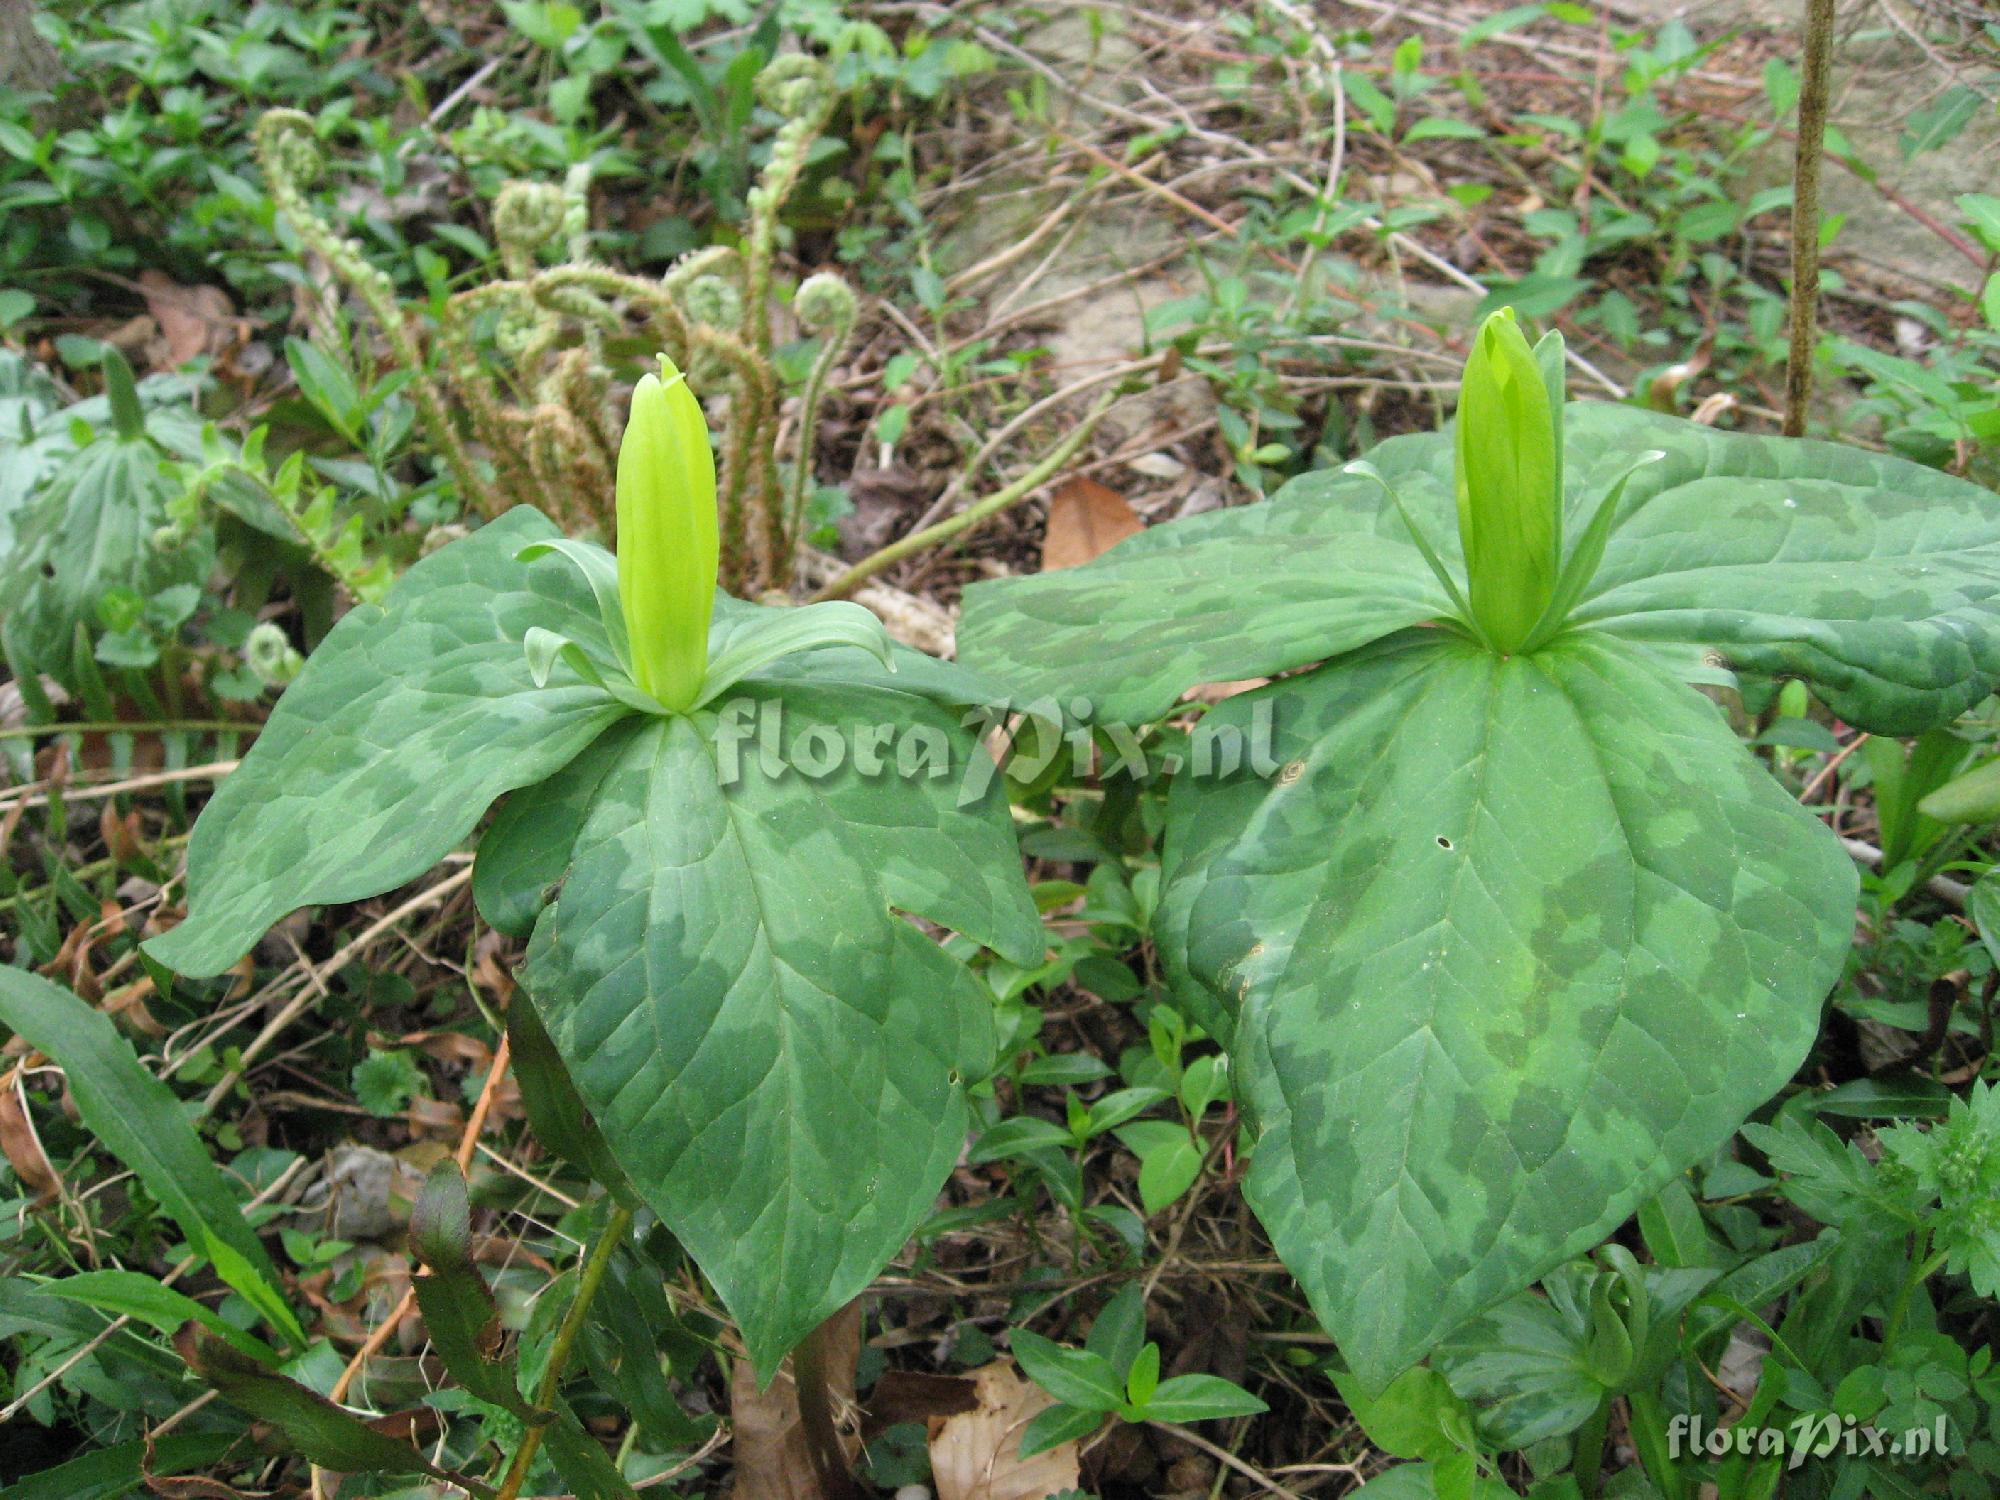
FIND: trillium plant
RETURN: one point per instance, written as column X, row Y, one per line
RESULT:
column 1518, row 931
column 773, row 1057
column 1515, row 932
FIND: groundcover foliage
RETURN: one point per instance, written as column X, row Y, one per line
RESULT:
column 1519, row 931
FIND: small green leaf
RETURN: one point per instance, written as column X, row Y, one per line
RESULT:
column 1120, row 1329
column 1169, row 1161
column 1971, row 798
column 1982, row 212
column 1417, row 1415
column 1983, row 906
column 1143, row 1378
column 1119, row 1106
column 1055, row 1425
column 1442, row 127
column 1200, row 1398
column 1017, row 1136
column 384, row 1083
column 1075, row 1377
column 1940, row 122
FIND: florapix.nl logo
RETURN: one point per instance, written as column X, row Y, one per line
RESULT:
column 1813, row 1435
column 756, row 736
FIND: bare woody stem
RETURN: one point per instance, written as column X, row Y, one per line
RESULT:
column 1813, row 91
column 972, row 515
column 829, row 1460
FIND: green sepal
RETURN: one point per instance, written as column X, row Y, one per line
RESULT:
column 772, row 634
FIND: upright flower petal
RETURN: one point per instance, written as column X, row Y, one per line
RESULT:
column 667, row 542
column 1509, row 467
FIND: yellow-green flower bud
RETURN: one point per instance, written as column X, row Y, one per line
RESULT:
column 667, row 537
column 1509, row 483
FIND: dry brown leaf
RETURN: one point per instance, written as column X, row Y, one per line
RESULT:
column 194, row 320
column 1086, row 519
column 977, row 1454
column 771, row 1458
column 19, row 1142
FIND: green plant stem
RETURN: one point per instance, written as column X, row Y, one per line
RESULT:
column 588, row 1280
column 829, row 1459
column 1589, row 1467
column 1923, row 1267
column 122, row 726
column 1813, row 91
column 972, row 515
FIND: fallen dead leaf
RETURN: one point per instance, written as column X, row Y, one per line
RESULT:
column 976, row 1455
column 1086, row 519
column 19, row 1142
column 771, row 1455
column 193, row 320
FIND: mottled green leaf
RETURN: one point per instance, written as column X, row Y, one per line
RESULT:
column 525, row 849
column 1131, row 632
column 1505, row 946
column 1874, row 578
column 775, row 1055
column 1525, row 1363
column 408, row 721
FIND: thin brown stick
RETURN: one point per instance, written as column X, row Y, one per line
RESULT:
column 1805, row 214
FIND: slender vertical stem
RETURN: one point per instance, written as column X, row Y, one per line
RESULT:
column 1813, row 92
column 829, row 1459
column 1589, row 1465
column 588, row 1280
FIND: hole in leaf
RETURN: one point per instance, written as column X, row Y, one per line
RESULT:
column 1443, row 842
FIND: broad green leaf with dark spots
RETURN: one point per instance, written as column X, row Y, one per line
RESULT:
column 773, row 1052
column 555, row 1110
column 1873, row 578
column 1879, row 583
column 1509, row 940
column 406, row 724
column 525, row 849
column 1133, row 631
column 1506, row 944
